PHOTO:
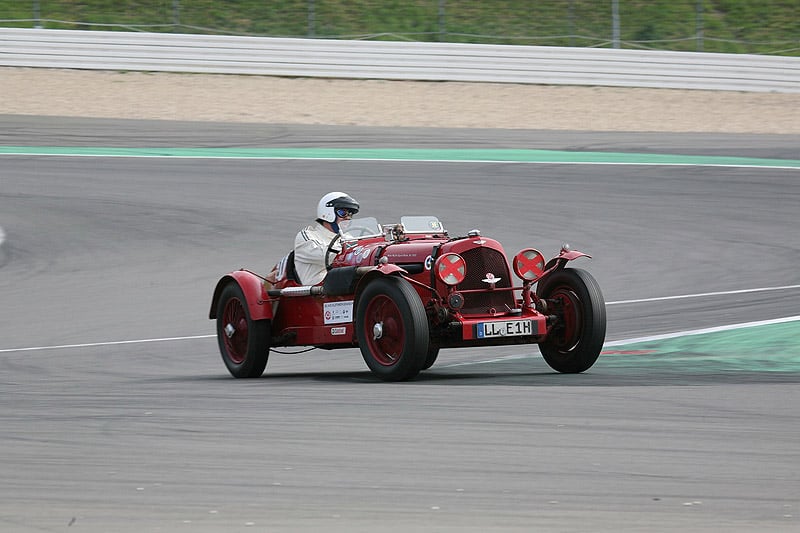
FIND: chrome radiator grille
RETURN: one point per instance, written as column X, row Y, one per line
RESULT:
column 482, row 261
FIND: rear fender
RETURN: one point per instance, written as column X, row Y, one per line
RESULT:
column 258, row 302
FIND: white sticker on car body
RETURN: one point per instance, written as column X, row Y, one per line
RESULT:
column 338, row 312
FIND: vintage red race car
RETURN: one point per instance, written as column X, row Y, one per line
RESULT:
column 401, row 292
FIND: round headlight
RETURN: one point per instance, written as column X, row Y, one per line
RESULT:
column 528, row 264
column 451, row 268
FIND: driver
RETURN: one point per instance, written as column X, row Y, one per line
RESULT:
column 334, row 209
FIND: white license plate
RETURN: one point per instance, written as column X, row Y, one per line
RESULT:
column 505, row 328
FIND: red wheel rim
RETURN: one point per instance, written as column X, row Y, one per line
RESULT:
column 235, row 343
column 568, row 334
column 384, row 313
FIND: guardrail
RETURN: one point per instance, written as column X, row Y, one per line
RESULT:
column 75, row 49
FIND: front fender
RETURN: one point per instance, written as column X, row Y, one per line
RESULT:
column 569, row 255
column 258, row 302
column 560, row 260
column 388, row 269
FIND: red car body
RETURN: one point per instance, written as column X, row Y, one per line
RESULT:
column 402, row 292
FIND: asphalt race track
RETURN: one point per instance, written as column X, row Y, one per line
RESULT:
column 118, row 414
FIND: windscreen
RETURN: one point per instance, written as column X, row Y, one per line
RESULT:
column 361, row 227
column 422, row 224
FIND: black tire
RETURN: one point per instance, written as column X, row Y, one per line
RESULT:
column 392, row 329
column 245, row 346
column 430, row 357
column 575, row 342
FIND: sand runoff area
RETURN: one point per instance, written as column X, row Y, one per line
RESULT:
column 265, row 99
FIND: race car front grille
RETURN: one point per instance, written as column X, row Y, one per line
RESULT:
column 480, row 262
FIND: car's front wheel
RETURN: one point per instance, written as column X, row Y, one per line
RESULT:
column 430, row 357
column 243, row 342
column 576, row 340
column 392, row 329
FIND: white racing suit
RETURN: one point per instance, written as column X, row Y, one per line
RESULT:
column 309, row 253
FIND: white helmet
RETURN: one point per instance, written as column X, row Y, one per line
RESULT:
column 328, row 204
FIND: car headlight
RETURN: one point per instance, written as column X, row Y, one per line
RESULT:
column 451, row 269
column 528, row 264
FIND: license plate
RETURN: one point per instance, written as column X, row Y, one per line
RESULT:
column 505, row 328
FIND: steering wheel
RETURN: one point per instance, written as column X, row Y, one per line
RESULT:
column 330, row 251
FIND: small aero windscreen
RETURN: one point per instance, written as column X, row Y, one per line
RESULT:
column 422, row 224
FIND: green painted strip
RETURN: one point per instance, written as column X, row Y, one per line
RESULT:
column 405, row 154
column 767, row 348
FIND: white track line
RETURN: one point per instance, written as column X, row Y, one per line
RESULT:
column 702, row 331
column 624, row 342
column 107, row 343
column 613, row 343
column 704, row 294
column 422, row 160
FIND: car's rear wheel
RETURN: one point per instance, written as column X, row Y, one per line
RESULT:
column 576, row 340
column 392, row 329
column 243, row 342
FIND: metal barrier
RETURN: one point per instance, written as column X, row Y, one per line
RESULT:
column 74, row 49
